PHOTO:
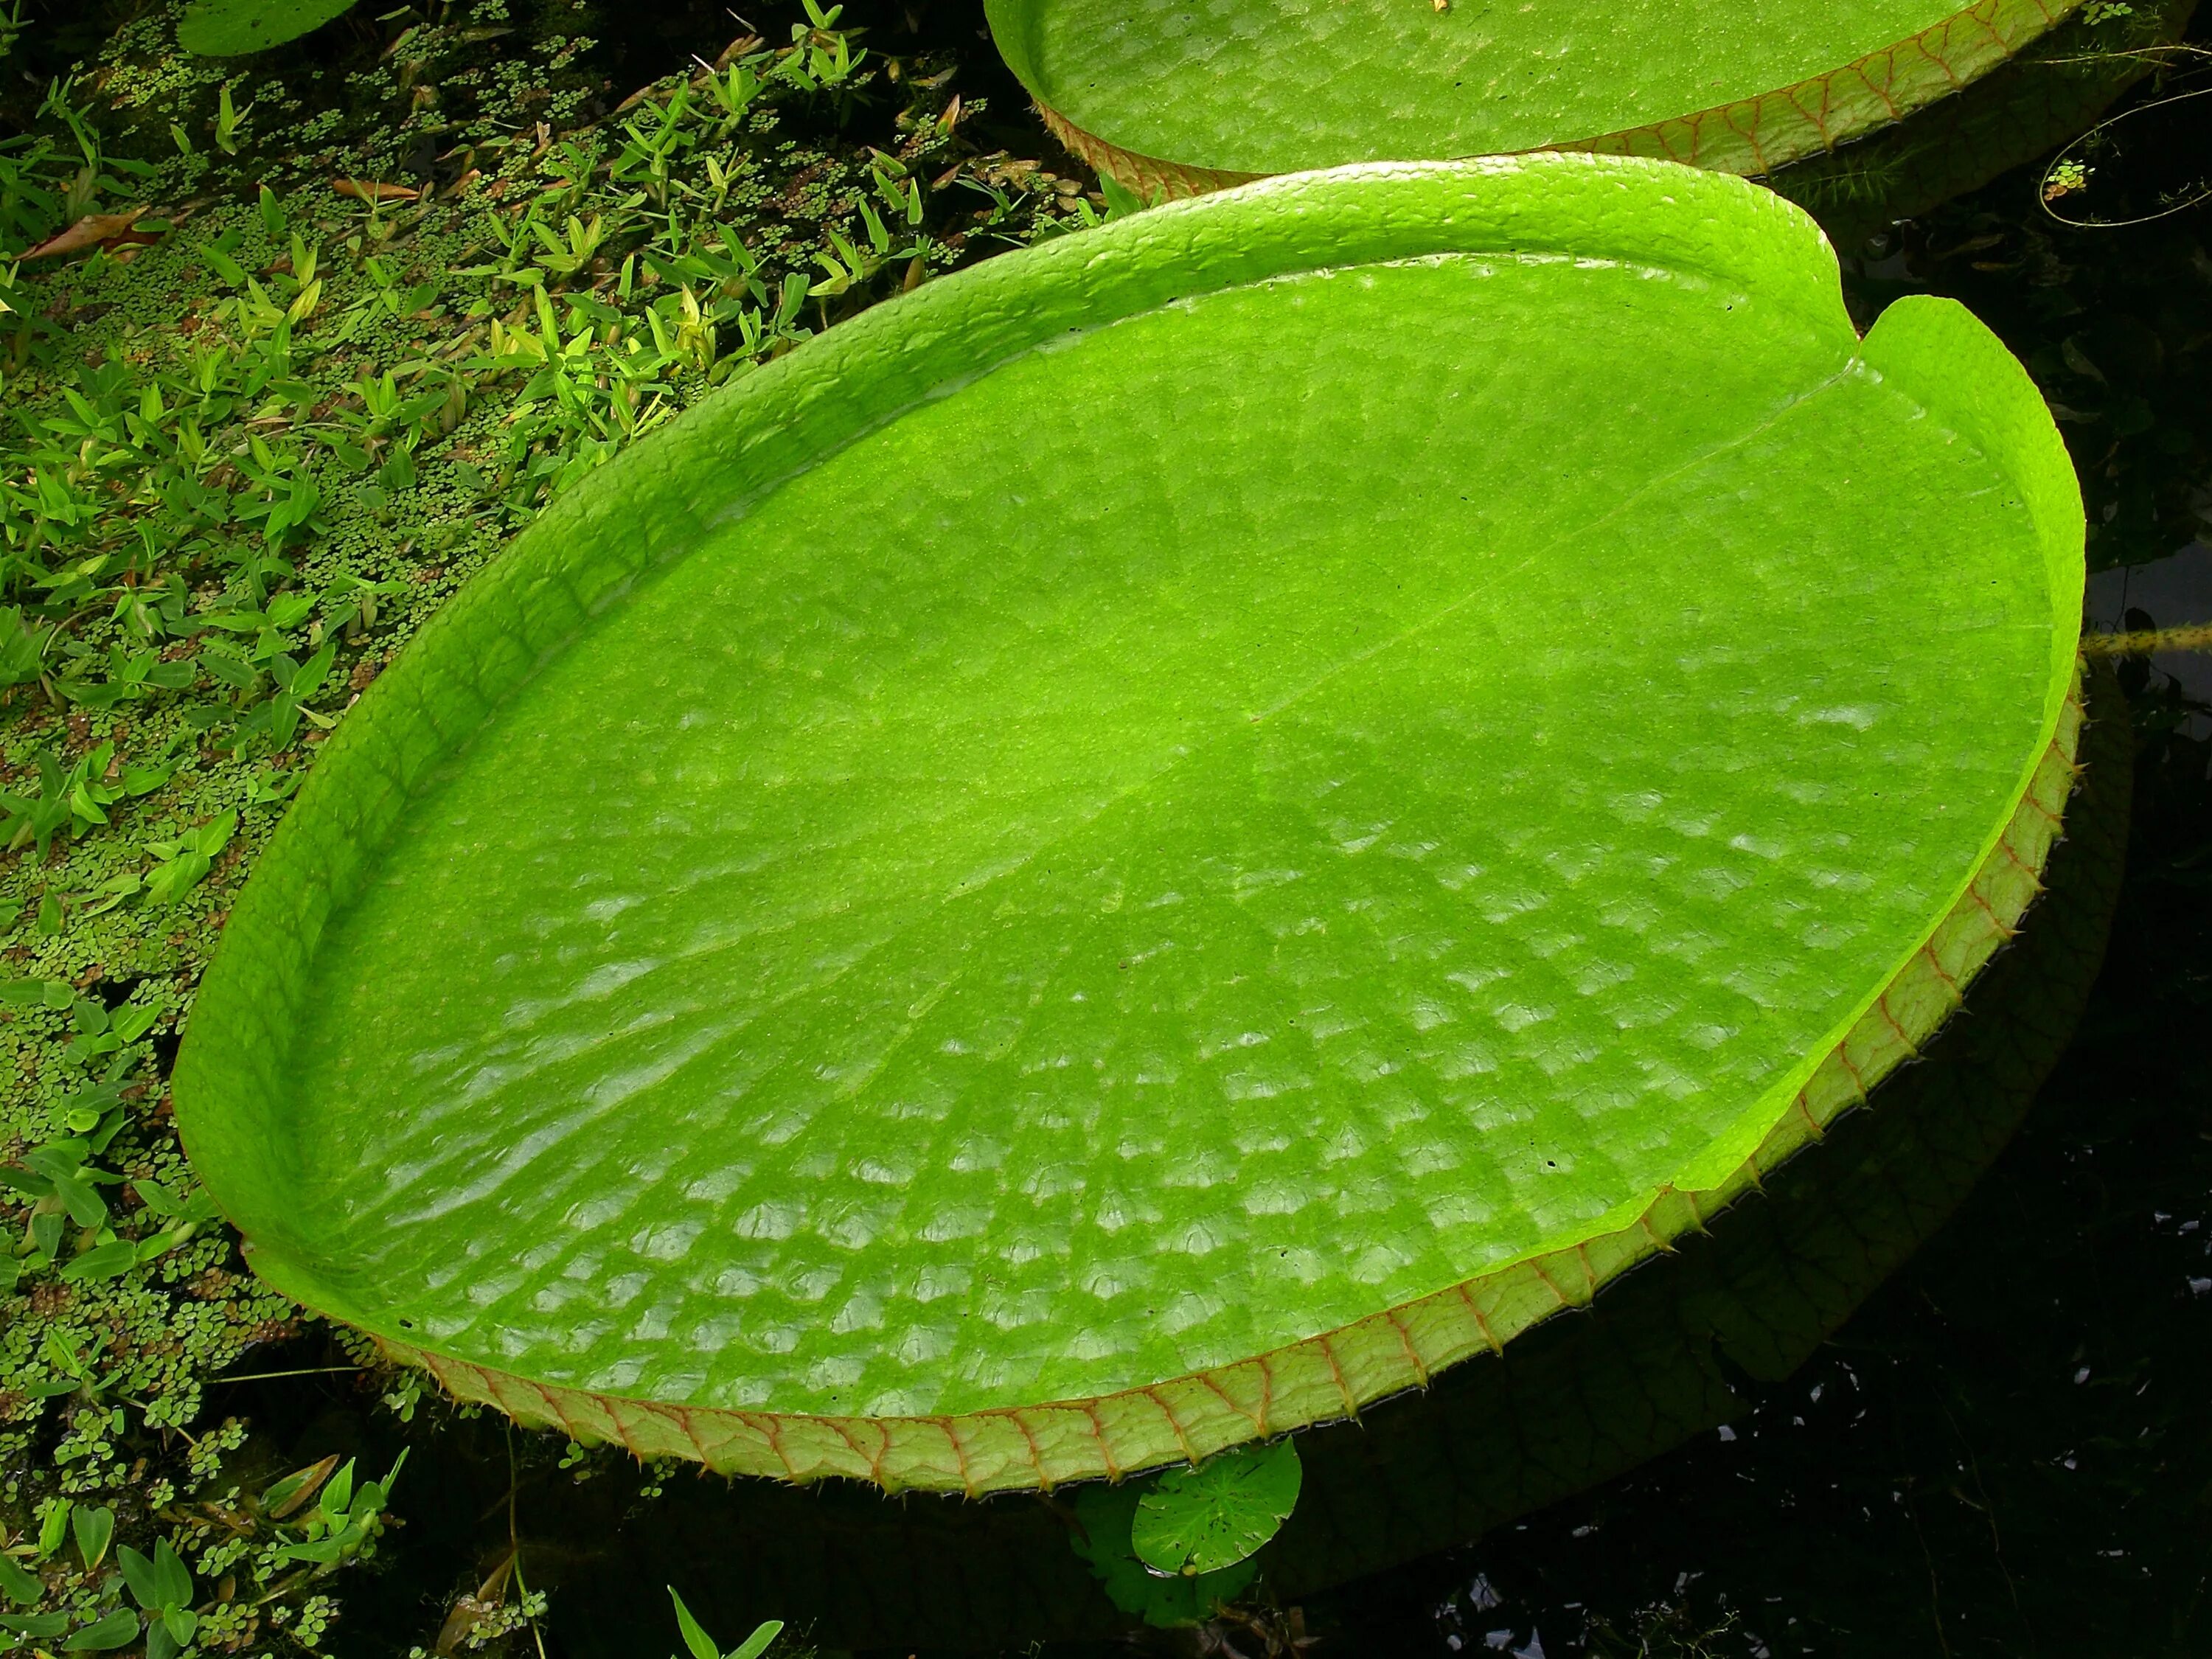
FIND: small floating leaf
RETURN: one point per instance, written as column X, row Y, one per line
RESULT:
column 1203, row 1519
column 1103, row 1517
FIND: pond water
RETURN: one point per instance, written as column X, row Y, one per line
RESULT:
column 2005, row 1451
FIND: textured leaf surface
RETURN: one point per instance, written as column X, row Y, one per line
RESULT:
column 232, row 28
column 1664, row 1354
column 1657, row 1357
column 1466, row 712
column 1169, row 96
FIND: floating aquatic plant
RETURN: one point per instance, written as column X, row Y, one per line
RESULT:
column 2183, row 182
column 1200, row 1520
column 1472, row 717
column 1170, row 100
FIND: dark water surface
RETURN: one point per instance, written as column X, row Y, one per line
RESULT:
column 2008, row 1450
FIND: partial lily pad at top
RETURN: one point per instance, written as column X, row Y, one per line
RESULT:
column 1170, row 99
column 1218, row 1513
column 232, row 28
column 2051, row 92
column 1163, row 836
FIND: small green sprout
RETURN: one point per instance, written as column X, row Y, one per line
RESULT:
column 703, row 1646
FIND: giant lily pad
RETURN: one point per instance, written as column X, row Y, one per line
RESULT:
column 1167, row 97
column 1163, row 837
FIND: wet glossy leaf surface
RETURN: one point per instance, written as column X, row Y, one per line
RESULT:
column 1403, row 762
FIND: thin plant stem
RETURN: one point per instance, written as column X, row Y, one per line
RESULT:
column 2145, row 641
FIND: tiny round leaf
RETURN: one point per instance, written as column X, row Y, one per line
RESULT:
column 1203, row 1519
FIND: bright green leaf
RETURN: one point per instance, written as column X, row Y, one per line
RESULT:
column 155, row 1246
column 702, row 1645
column 138, row 1574
column 119, row 1629
column 1276, row 86
column 54, row 1528
column 107, row 1260
column 85, row 1205
column 22, row 1181
column 177, row 875
column 231, row 29
column 1203, row 1519
column 322, row 1552
column 134, row 1019
column 220, row 262
column 172, row 1579
column 22, row 646
column 93, row 1528
column 18, row 1584
column 1451, row 700
column 111, row 893
column 338, row 1493
column 1120, row 202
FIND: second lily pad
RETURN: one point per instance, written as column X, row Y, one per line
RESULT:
column 1167, row 97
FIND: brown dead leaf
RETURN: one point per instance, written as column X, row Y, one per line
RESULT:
column 311, row 1480
column 470, row 1610
column 363, row 190
column 93, row 230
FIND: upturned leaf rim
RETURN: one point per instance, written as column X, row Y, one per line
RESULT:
column 650, row 505
column 1753, row 136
